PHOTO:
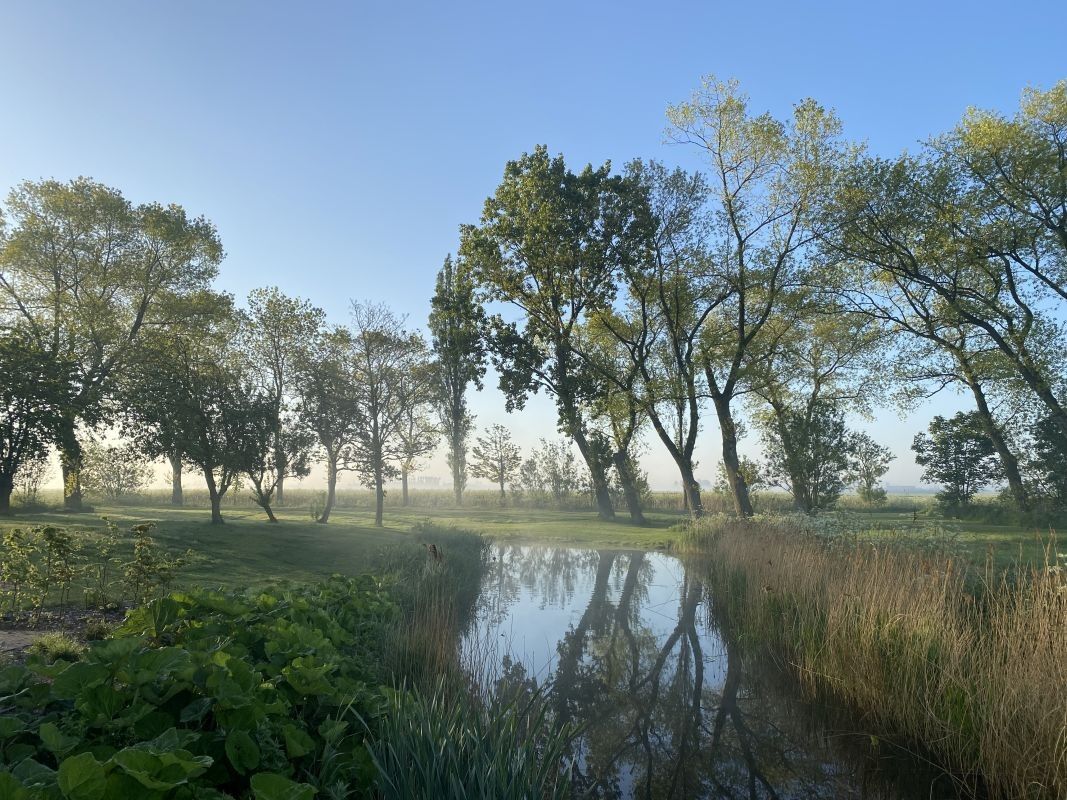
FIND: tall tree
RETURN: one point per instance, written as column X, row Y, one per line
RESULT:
column 456, row 322
column 327, row 405
column 384, row 356
column 34, row 393
column 496, row 458
column 670, row 293
column 418, row 431
column 193, row 396
column 277, row 329
column 767, row 177
column 549, row 244
column 86, row 272
column 616, row 405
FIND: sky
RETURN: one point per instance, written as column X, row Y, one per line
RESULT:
column 339, row 145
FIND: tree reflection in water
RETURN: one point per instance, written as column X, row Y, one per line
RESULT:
column 626, row 644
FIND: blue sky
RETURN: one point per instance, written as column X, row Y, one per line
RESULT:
column 338, row 146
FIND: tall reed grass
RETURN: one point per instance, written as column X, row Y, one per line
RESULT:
column 976, row 678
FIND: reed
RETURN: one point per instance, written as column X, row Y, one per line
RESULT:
column 969, row 664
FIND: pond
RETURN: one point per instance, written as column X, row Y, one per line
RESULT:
column 627, row 646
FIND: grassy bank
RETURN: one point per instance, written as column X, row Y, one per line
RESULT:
column 976, row 678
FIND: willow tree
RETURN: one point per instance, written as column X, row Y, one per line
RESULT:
column 766, row 178
column 550, row 243
column 85, row 273
column 456, row 320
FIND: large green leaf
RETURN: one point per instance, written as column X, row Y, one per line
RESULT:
column 270, row 786
column 82, row 777
column 242, row 751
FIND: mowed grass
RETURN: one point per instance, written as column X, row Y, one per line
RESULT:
column 249, row 551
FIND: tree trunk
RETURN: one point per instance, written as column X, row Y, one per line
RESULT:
column 597, row 473
column 629, row 486
column 7, row 485
column 404, row 487
column 379, row 497
column 459, row 462
column 70, row 459
column 331, row 488
column 216, row 498
column 270, row 513
column 691, row 499
column 279, row 491
column 177, row 495
column 1008, row 461
column 730, row 460
column 798, row 482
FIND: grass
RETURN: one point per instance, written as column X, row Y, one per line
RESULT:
column 977, row 679
column 249, row 551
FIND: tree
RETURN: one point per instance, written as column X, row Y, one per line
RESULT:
column 496, row 458
column 816, row 363
column 616, row 407
column 912, row 230
column 281, row 451
column 1046, row 463
column 871, row 462
column 114, row 470
column 32, row 473
column 276, row 330
column 85, row 273
column 34, row 394
column 418, row 432
column 767, row 176
column 816, row 463
column 670, row 294
column 553, row 471
column 192, row 396
column 327, row 403
column 958, row 455
column 456, row 322
column 549, row 243
column 385, row 357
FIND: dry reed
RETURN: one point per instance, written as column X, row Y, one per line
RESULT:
column 973, row 667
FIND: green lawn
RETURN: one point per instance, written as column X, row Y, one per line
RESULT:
column 247, row 550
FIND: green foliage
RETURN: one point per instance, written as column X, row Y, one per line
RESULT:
column 48, row 563
column 959, row 455
column 495, row 457
column 205, row 695
column 114, row 470
column 810, row 452
column 447, row 746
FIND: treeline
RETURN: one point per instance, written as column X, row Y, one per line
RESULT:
column 792, row 281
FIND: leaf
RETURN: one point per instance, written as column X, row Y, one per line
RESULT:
column 11, row 726
column 271, row 786
column 242, row 751
column 82, row 777
column 11, row 788
column 78, row 677
column 55, row 740
column 297, row 742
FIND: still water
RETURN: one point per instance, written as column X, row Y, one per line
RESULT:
column 626, row 645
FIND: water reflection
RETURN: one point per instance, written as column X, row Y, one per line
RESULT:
column 629, row 647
